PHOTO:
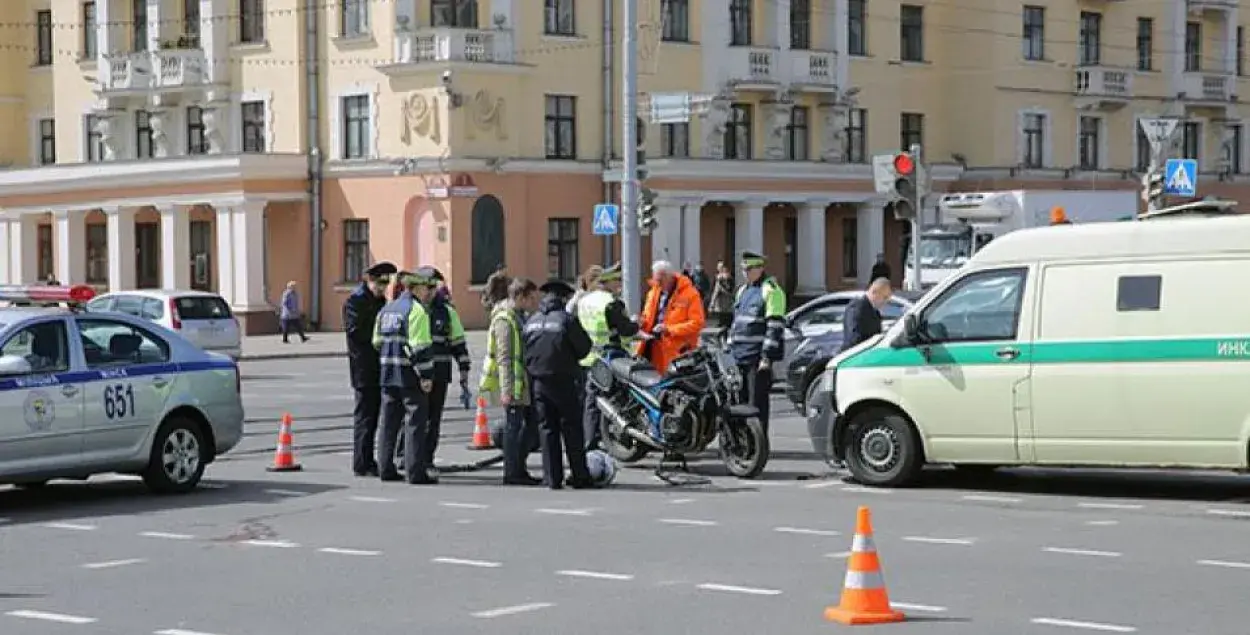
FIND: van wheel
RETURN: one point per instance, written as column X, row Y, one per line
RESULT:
column 885, row 450
column 178, row 457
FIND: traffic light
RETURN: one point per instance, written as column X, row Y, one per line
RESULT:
column 646, row 211
column 1152, row 187
column 906, row 186
column 640, row 150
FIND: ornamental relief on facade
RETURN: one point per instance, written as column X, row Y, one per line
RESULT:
column 486, row 114
column 421, row 117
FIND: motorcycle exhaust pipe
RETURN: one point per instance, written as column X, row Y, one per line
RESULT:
column 609, row 411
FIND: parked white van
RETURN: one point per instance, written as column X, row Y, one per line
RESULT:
column 1076, row 345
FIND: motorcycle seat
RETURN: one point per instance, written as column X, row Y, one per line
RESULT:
column 638, row 371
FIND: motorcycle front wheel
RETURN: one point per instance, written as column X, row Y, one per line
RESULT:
column 745, row 451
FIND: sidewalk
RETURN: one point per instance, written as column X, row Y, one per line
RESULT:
column 322, row 344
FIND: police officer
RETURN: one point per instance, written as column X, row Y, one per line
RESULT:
column 602, row 314
column 504, row 374
column 447, row 333
column 757, row 335
column 555, row 343
column 402, row 337
column 360, row 314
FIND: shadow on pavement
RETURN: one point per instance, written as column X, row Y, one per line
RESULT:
column 1177, row 485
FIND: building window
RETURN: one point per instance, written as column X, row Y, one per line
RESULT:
column 675, row 140
column 911, row 130
column 1034, row 130
column 797, row 135
column 675, row 18
column 43, row 38
column 857, row 135
column 1193, row 47
column 1090, row 42
column 1034, row 33
column 191, row 20
column 89, row 48
column 47, row 141
column 561, row 123
column 253, row 126
column 459, row 14
column 558, row 18
column 800, row 24
column 911, row 33
column 355, row 248
column 850, row 248
column 353, row 18
column 251, row 21
column 43, row 238
column 143, row 135
column 1191, row 140
column 1143, row 149
column 1241, row 51
column 356, row 127
column 1089, row 142
column 97, row 253
column 1233, row 150
column 197, row 142
column 202, row 248
column 740, row 22
column 562, row 248
column 139, row 25
column 1145, row 44
column 738, row 137
column 857, row 27
column 95, row 140
column 489, row 241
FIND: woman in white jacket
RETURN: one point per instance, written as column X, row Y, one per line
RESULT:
column 585, row 283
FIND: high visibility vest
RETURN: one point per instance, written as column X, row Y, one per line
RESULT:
column 490, row 368
column 403, row 361
column 592, row 313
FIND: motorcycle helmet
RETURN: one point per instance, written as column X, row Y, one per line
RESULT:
column 602, row 467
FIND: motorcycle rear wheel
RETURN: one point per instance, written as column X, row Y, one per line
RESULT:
column 747, row 453
column 622, row 448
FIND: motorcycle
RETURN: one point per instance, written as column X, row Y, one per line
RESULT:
column 680, row 412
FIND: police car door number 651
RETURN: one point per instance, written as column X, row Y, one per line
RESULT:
column 119, row 401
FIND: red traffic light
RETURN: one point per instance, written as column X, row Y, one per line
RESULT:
column 903, row 163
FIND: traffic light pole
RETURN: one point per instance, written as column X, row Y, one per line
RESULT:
column 916, row 224
column 630, row 240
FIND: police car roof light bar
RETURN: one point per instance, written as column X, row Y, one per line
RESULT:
column 76, row 294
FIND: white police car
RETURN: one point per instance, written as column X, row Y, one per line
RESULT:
column 91, row 393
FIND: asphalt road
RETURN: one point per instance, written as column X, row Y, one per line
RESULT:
column 319, row 552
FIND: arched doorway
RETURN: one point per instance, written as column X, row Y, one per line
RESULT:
column 488, row 249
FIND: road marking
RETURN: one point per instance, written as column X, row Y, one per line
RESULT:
column 166, row 535
column 1102, row 523
column 729, row 588
column 983, row 498
column 689, row 522
column 1089, row 626
column 1225, row 563
column 113, row 563
column 939, row 541
column 597, row 575
column 463, row 505
column 681, row 501
column 1109, row 506
column 860, row 489
column 71, row 526
column 349, row 552
column 279, row 544
column 179, row 631
column 806, row 532
column 513, row 610
column 214, row 485
column 372, row 499
column 52, row 617
column 464, row 521
column 285, row 492
column 923, row 608
column 821, row 485
column 840, row 554
column 563, row 512
column 1234, row 513
column 484, row 564
column 1084, row 552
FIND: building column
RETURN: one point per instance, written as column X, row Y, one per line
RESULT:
column 1231, row 21
column 870, row 241
column 666, row 239
column 156, row 22
column 692, row 232
column 248, row 225
column 71, row 246
column 23, row 246
column 224, row 231
column 175, row 247
column 122, row 255
column 104, row 31
column 781, row 28
column 811, row 246
column 6, row 263
column 748, row 227
column 838, row 25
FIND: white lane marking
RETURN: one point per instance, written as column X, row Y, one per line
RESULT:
column 512, row 610
column 806, row 532
column 563, row 512
column 166, row 535
column 1083, row 552
column 71, row 526
column 746, row 590
column 1225, row 563
column 350, row 552
column 860, row 489
column 51, row 617
column 1109, row 506
column 689, row 522
column 455, row 505
column 1102, row 523
column 214, row 485
column 179, row 631
column 821, row 485
column 840, row 554
column 285, row 492
column 464, row 521
column 923, row 608
column 1234, row 513
column 372, row 499
column 939, row 541
column 681, row 501
column 113, row 563
column 597, row 575
column 1089, row 626
column 984, row 498
column 279, row 544
column 484, row 564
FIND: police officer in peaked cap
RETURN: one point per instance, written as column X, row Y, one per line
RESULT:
column 757, row 337
column 360, row 314
column 447, row 333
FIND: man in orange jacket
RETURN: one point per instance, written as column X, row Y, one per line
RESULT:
column 672, row 315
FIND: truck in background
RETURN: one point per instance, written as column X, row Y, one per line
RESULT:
column 969, row 221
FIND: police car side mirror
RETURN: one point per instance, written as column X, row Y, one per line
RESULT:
column 14, row 365
column 911, row 328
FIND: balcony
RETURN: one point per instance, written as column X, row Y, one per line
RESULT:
column 1103, row 88
column 178, row 68
column 161, row 71
column 1198, row 6
column 1208, row 87
column 448, row 45
column 814, row 70
column 748, row 67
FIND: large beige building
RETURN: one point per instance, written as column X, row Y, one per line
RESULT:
column 238, row 144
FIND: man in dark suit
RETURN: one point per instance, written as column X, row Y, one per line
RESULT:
column 862, row 318
column 360, row 312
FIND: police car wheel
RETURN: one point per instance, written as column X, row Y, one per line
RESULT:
column 178, row 457
column 885, row 450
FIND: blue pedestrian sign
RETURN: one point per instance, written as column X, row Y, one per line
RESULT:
column 606, row 219
column 1180, row 177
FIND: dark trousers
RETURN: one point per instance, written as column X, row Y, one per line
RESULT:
column 518, row 440
column 559, row 418
column 403, row 411
column 757, row 388
column 416, row 431
column 391, row 424
column 292, row 324
column 365, row 428
column 591, row 417
column 437, row 399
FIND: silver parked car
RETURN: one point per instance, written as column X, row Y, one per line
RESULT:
column 824, row 315
column 203, row 318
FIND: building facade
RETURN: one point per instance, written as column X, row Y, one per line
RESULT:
column 236, row 145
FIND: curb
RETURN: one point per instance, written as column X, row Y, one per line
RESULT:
column 256, row 357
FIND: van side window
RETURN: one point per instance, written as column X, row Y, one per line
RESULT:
column 1139, row 293
column 984, row 306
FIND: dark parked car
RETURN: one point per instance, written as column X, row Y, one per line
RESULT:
column 806, row 365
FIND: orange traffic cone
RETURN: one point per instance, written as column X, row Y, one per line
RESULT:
column 864, row 598
column 481, row 428
column 284, row 455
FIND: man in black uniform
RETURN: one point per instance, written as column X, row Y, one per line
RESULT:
column 447, row 332
column 360, row 312
column 555, row 343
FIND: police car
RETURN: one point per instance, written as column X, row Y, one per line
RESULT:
column 92, row 393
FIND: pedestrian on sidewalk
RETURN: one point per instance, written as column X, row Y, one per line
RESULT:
column 721, row 305
column 360, row 314
column 290, row 317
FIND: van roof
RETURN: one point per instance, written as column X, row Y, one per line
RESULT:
column 1099, row 241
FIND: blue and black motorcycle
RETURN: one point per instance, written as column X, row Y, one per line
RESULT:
column 680, row 412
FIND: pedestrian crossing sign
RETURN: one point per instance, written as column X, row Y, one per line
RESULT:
column 606, row 219
column 1180, row 177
